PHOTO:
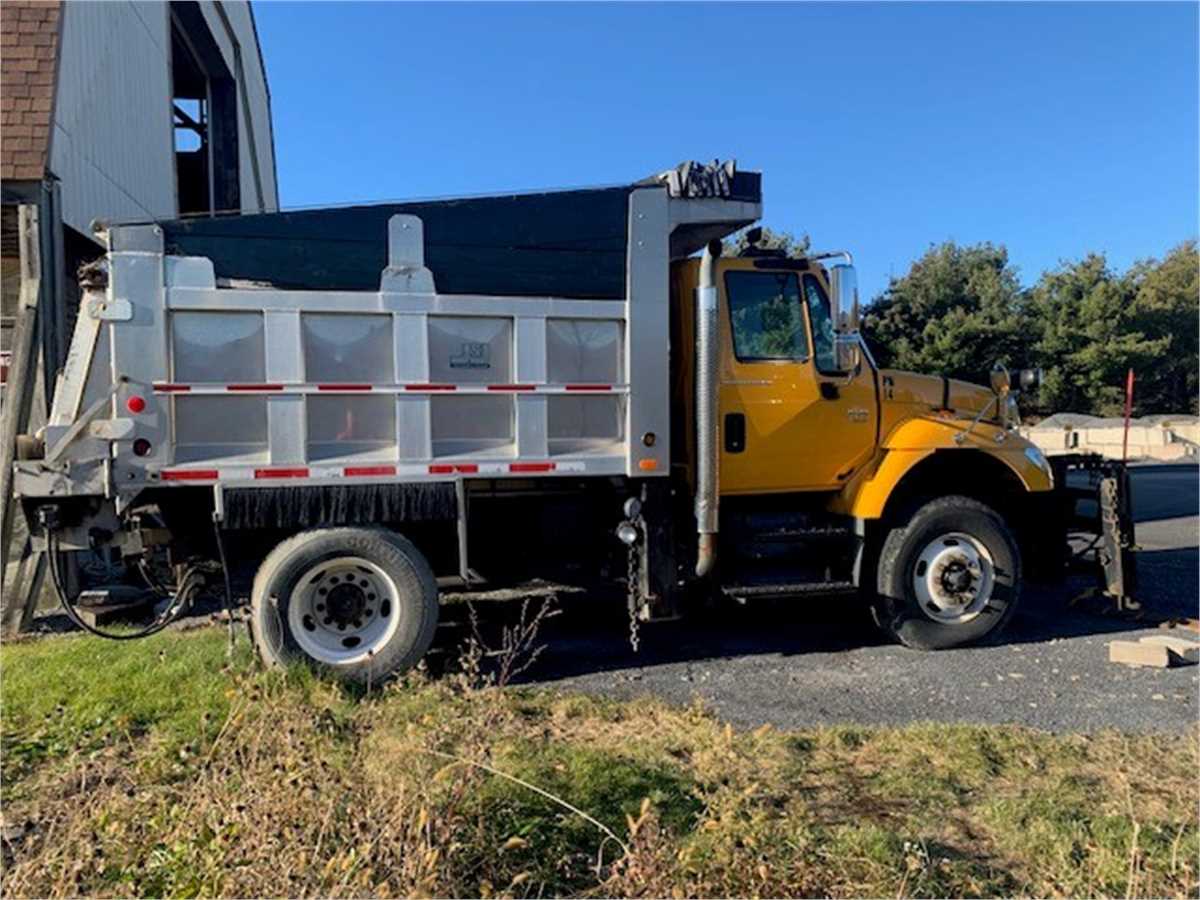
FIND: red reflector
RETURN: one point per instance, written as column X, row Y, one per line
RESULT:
column 343, row 387
column 164, row 388
column 254, row 387
column 135, row 404
column 531, row 467
column 190, row 475
column 431, row 387
column 589, row 387
column 370, row 470
column 512, row 387
column 451, row 468
column 281, row 473
column 141, row 447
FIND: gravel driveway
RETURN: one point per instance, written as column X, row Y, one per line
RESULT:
column 803, row 663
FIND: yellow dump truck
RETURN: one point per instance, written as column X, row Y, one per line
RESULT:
column 343, row 411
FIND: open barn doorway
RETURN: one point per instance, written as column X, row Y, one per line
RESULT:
column 204, row 108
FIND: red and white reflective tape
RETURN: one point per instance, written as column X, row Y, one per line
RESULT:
column 282, row 472
column 166, row 387
column 190, row 475
column 419, row 472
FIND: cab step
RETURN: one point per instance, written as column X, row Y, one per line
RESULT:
column 819, row 532
column 758, row 590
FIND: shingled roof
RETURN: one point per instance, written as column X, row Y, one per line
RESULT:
column 28, row 68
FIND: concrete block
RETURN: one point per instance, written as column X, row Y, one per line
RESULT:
column 1107, row 435
column 1189, row 431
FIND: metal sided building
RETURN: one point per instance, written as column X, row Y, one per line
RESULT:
column 123, row 111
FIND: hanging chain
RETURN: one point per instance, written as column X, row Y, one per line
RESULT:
column 633, row 594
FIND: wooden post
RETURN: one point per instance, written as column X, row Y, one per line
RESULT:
column 24, row 591
column 22, row 382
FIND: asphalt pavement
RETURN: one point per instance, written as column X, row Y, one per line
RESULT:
column 807, row 662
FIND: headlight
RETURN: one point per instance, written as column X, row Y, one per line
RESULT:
column 1038, row 458
column 1030, row 379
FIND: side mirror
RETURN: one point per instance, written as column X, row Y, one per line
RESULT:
column 843, row 282
column 847, row 352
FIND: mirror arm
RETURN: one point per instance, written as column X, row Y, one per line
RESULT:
column 862, row 342
column 832, row 254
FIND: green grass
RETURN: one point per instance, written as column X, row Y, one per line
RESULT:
column 77, row 695
column 158, row 768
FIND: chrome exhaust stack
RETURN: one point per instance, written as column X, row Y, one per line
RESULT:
column 707, row 438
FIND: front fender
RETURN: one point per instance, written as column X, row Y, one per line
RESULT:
column 917, row 439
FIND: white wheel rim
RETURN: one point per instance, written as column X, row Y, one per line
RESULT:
column 344, row 610
column 953, row 578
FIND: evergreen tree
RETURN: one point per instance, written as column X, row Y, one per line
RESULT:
column 957, row 312
column 1087, row 338
column 792, row 246
column 1166, row 305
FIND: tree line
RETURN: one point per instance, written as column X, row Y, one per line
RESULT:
column 960, row 309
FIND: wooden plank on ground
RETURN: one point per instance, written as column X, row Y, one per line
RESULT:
column 1135, row 653
column 1156, row 651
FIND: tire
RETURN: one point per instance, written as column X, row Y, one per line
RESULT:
column 358, row 603
column 949, row 576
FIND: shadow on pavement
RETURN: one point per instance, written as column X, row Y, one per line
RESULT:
column 591, row 634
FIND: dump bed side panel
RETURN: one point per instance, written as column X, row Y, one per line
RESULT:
column 269, row 384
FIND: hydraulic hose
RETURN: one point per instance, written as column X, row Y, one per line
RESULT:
column 161, row 621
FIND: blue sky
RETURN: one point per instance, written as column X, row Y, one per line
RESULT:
column 1054, row 129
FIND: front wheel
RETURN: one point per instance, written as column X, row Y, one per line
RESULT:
column 357, row 602
column 950, row 575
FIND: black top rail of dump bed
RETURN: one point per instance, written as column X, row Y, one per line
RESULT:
column 569, row 243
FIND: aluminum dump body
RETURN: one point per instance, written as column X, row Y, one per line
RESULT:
column 488, row 337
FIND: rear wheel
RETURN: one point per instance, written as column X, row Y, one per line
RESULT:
column 949, row 575
column 360, row 603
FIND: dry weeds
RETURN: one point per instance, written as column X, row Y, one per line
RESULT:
column 287, row 786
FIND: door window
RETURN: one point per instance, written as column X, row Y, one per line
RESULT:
column 822, row 324
column 766, row 316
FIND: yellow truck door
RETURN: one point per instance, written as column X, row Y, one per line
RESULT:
column 789, row 421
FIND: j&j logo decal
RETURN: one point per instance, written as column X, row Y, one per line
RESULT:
column 472, row 355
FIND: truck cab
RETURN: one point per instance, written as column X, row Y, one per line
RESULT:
column 836, row 475
column 791, row 418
